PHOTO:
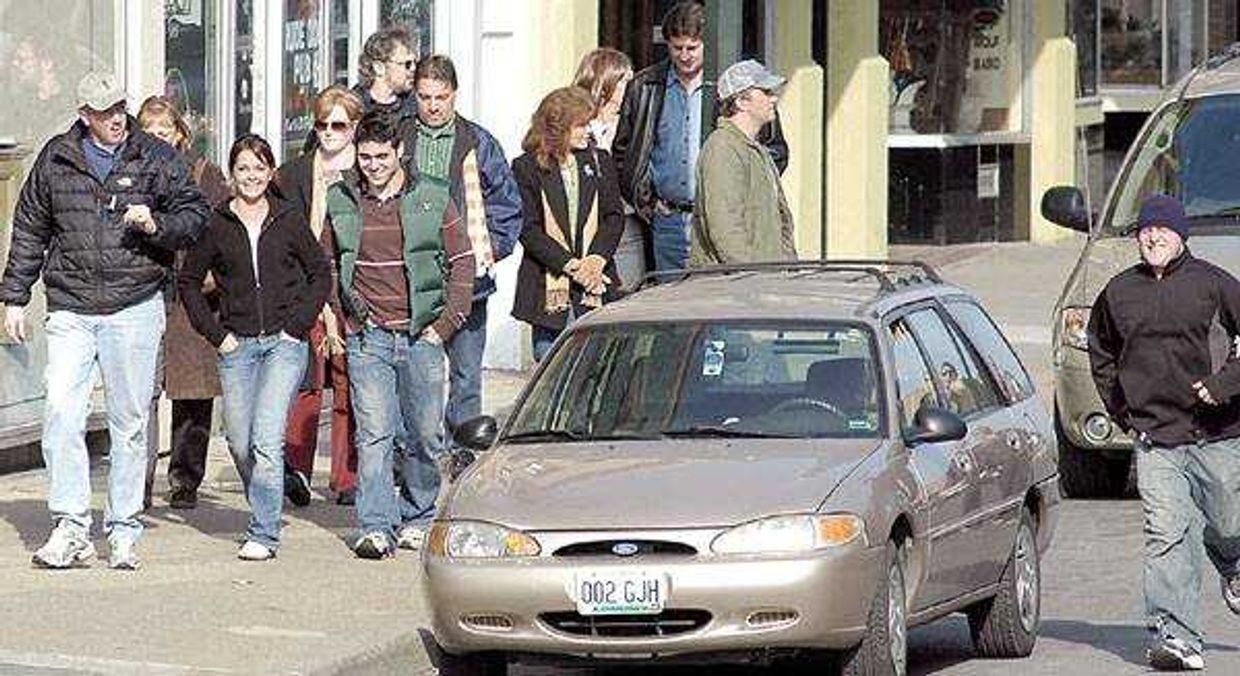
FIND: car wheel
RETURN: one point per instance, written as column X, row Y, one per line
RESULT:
column 1006, row 625
column 472, row 665
column 1088, row 474
column 884, row 650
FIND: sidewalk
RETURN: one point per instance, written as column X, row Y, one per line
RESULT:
column 194, row 607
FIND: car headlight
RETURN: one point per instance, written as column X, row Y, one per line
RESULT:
column 1074, row 329
column 479, row 540
column 790, row 533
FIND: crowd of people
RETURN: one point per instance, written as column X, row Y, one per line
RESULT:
column 364, row 265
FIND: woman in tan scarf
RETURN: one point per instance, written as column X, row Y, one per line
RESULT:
column 573, row 218
column 304, row 181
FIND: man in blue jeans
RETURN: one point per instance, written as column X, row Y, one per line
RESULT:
column 445, row 145
column 406, row 273
column 1152, row 362
column 99, row 218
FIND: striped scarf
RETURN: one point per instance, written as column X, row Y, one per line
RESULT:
column 476, row 216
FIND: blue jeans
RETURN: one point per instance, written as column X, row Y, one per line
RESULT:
column 630, row 256
column 260, row 379
column 671, row 240
column 465, row 351
column 396, row 377
column 542, row 338
column 125, row 345
column 1190, row 496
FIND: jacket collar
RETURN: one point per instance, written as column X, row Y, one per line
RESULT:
column 137, row 143
column 1172, row 266
column 277, row 207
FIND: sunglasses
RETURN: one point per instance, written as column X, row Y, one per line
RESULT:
column 336, row 126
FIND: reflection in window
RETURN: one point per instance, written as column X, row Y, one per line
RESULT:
column 913, row 383
column 190, row 68
column 415, row 16
column 965, row 388
column 955, row 67
column 1132, row 42
column 994, row 350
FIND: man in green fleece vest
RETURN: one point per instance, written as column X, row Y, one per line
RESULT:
column 406, row 277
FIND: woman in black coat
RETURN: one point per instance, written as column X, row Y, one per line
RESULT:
column 573, row 219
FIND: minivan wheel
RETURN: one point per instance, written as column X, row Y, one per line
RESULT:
column 1088, row 474
column 1006, row 625
column 472, row 665
column 884, row 650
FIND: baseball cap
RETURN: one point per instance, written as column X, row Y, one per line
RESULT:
column 744, row 75
column 99, row 90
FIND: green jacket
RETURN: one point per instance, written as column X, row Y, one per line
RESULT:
column 421, row 218
column 740, row 214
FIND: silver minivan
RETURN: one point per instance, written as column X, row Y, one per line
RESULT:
column 1190, row 148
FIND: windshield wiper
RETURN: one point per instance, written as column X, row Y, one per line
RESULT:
column 545, row 435
column 725, row 431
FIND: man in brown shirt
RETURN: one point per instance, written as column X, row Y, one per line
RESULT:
column 406, row 275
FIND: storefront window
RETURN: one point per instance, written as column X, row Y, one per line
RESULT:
column 1083, row 28
column 340, row 41
column 1186, row 37
column 190, row 68
column 243, row 53
column 301, row 71
column 1132, row 42
column 955, row 64
column 415, row 16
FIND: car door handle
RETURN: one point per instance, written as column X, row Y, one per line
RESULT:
column 1013, row 439
column 963, row 462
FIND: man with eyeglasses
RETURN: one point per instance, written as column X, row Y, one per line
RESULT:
column 98, row 219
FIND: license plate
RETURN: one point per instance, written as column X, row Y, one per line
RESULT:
column 614, row 593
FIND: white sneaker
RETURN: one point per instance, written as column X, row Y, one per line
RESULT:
column 254, row 551
column 410, row 537
column 372, row 546
column 64, row 548
column 123, row 557
column 1173, row 654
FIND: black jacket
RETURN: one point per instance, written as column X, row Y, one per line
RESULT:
column 596, row 181
column 639, row 121
column 293, row 284
column 1149, row 341
column 67, row 225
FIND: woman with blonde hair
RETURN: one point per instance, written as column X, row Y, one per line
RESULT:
column 186, row 370
column 572, row 218
column 605, row 74
column 304, row 181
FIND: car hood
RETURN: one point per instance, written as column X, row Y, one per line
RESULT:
column 652, row 484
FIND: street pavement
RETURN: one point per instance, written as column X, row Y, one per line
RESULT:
column 194, row 608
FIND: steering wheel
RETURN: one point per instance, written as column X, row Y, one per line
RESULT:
column 809, row 403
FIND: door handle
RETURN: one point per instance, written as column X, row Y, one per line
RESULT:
column 1013, row 439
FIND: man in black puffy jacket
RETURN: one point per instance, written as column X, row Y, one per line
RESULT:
column 99, row 219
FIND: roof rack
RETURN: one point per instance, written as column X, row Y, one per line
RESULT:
column 883, row 271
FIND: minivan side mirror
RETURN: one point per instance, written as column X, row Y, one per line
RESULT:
column 933, row 424
column 477, row 433
column 1065, row 205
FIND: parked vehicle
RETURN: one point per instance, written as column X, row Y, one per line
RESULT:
column 1189, row 147
column 749, row 463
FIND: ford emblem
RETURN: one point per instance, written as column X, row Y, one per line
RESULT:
column 624, row 549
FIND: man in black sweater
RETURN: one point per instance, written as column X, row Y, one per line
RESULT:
column 1149, row 349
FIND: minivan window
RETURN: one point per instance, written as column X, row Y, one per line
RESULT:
column 1191, row 150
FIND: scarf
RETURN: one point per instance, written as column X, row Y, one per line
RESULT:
column 476, row 216
column 558, row 296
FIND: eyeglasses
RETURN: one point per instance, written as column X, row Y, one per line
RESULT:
column 407, row 63
column 335, row 125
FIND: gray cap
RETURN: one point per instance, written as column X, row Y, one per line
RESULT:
column 99, row 90
column 744, row 75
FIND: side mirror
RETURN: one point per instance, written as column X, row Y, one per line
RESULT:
column 477, row 433
column 933, row 424
column 1065, row 205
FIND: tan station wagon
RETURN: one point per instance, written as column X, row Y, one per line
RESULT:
column 750, row 464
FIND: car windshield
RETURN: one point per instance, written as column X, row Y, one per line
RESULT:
column 690, row 379
column 1191, row 149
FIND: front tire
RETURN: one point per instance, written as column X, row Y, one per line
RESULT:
column 884, row 650
column 1006, row 625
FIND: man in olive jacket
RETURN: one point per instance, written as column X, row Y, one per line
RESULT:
column 99, row 218
column 740, row 214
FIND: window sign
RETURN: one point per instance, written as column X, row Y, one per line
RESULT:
column 301, row 71
column 955, row 67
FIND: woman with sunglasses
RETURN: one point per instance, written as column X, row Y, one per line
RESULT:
column 304, row 181
column 273, row 279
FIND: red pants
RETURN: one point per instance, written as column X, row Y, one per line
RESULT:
column 301, row 438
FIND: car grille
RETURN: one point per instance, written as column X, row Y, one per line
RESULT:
column 644, row 547
column 666, row 623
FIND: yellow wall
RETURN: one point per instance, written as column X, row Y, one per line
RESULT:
column 800, row 112
column 856, row 132
column 1052, row 150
